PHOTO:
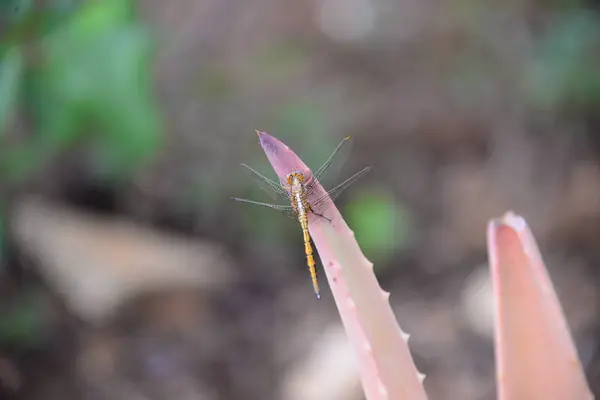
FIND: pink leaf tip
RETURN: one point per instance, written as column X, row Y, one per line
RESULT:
column 534, row 350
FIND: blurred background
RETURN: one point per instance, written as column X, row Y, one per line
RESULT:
column 127, row 273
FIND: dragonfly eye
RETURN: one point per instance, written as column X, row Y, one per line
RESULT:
column 290, row 178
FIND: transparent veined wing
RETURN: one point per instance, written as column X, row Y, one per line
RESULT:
column 287, row 210
column 329, row 172
column 320, row 204
column 269, row 186
column 326, row 175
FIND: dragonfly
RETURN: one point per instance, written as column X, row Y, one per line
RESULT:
column 298, row 191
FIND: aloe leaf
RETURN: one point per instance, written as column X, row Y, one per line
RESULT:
column 535, row 354
column 386, row 365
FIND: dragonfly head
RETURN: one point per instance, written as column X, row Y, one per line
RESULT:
column 295, row 177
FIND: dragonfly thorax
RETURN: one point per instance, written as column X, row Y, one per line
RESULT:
column 297, row 193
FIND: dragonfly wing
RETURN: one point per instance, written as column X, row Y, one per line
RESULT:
column 330, row 170
column 278, row 207
column 272, row 188
column 318, row 204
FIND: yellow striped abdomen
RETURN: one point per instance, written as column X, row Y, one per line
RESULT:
column 310, row 260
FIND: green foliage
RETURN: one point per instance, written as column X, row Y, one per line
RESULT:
column 379, row 224
column 13, row 11
column 10, row 78
column 93, row 85
column 2, row 242
column 566, row 69
column 25, row 21
column 24, row 322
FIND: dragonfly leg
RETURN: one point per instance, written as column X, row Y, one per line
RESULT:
column 321, row 215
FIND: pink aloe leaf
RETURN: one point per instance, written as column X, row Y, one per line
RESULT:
column 386, row 365
column 535, row 354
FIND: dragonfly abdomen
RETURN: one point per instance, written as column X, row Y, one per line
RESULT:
column 310, row 259
column 302, row 207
